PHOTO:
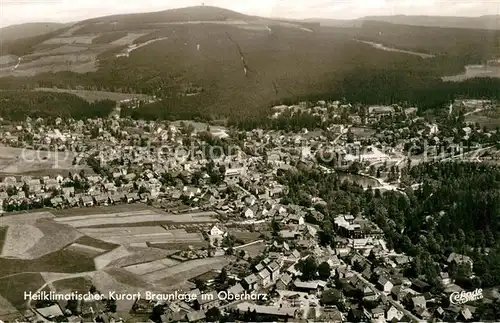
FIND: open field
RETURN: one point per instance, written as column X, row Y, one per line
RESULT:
column 149, row 267
column 13, row 288
column 63, row 261
column 92, row 96
column 142, row 255
column 24, row 218
column 8, row 313
column 133, row 217
column 142, row 234
column 55, row 237
column 121, row 281
column 103, row 260
column 79, row 284
column 20, row 160
column 45, row 235
column 19, row 239
column 186, row 270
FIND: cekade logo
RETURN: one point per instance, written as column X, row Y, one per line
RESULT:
column 463, row 297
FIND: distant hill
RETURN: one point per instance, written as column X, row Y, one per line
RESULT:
column 489, row 22
column 211, row 62
column 28, row 30
column 483, row 22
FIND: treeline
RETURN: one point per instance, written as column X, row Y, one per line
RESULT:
column 17, row 105
column 473, row 44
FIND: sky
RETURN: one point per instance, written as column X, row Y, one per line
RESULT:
column 21, row 11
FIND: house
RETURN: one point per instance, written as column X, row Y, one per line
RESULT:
column 385, row 285
column 289, row 235
column 378, row 313
column 419, row 302
column 249, row 213
column 458, row 259
column 206, row 301
column 284, row 282
column 215, row 231
column 68, row 191
column 265, row 277
column 274, row 269
column 101, row 199
column 236, row 290
column 268, row 313
column 250, row 282
column 311, row 287
column 57, row 202
column 445, row 278
column 393, row 313
column 131, row 197
column 465, row 314
column 87, row 200
column 420, row 286
column 196, row 316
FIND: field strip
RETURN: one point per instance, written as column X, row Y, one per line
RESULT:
column 188, row 269
column 125, row 230
column 103, row 215
column 114, row 220
column 153, row 266
column 24, row 218
column 85, row 247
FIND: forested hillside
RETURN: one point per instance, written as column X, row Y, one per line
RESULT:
column 237, row 66
column 17, row 105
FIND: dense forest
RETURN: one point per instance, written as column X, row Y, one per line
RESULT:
column 17, row 105
column 457, row 209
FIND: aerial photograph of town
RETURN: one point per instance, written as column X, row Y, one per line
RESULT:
column 259, row 161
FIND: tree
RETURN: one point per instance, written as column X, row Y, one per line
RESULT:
column 200, row 284
column 213, row 315
column 308, row 268
column 221, row 279
column 332, row 297
column 324, row 271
